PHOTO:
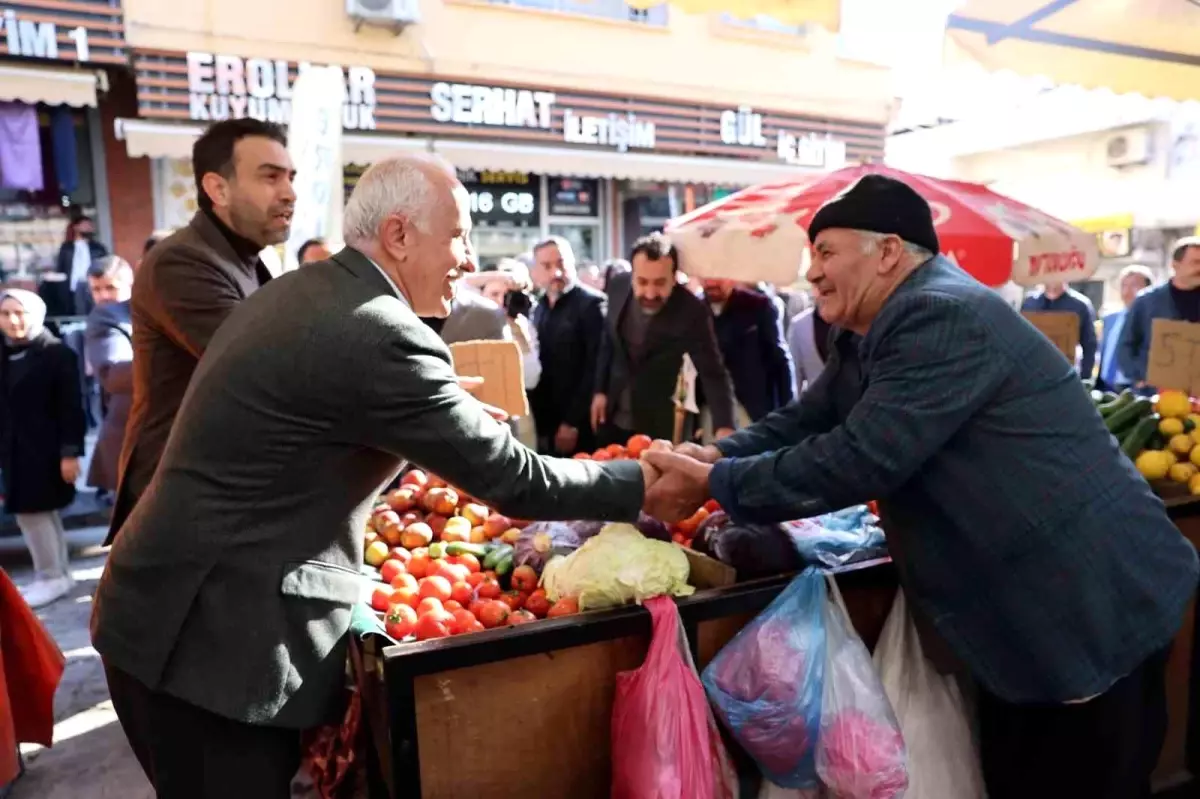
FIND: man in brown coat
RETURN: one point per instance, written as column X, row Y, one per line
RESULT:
column 191, row 281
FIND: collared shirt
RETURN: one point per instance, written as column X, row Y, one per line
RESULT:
column 1112, row 374
column 81, row 261
column 395, row 289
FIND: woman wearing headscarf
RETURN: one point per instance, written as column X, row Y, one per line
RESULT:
column 41, row 437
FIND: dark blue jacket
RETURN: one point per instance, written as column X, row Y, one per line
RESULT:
column 1081, row 306
column 1038, row 553
column 1134, row 350
column 756, row 356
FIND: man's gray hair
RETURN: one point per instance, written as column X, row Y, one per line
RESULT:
column 400, row 184
column 564, row 249
column 871, row 240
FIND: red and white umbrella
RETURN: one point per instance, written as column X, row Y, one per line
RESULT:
column 759, row 233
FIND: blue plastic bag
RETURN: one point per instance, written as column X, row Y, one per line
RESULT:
column 836, row 538
column 767, row 683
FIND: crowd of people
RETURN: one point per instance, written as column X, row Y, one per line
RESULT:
column 265, row 413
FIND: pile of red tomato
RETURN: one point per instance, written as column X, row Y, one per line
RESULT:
column 455, row 596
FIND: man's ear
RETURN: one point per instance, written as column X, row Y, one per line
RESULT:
column 891, row 252
column 216, row 187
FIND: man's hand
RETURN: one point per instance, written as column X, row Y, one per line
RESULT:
column 650, row 476
column 681, row 488
column 709, row 454
column 566, row 438
column 469, row 384
column 599, row 411
column 69, row 469
column 723, row 432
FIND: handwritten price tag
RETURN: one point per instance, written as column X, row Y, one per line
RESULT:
column 1061, row 327
column 1174, row 361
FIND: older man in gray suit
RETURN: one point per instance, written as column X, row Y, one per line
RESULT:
column 222, row 613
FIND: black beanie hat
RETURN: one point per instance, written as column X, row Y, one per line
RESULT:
column 879, row 204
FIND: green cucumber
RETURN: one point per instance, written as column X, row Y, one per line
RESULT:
column 1139, row 437
column 1125, row 399
column 504, row 566
column 496, row 555
column 463, row 548
column 1128, row 414
column 1157, row 441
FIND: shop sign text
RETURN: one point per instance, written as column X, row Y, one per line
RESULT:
column 745, row 128
column 230, row 87
column 614, row 130
column 30, row 39
column 468, row 104
column 496, row 106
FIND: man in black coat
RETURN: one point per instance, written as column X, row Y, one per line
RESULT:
column 654, row 322
column 570, row 322
column 750, row 334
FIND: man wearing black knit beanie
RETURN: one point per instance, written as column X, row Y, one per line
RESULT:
column 1032, row 554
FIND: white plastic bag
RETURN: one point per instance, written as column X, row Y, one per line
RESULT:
column 942, row 758
column 860, row 752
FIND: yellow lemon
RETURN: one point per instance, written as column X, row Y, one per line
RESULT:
column 1174, row 403
column 1194, row 418
column 1194, row 485
column 1194, row 457
column 1170, row 426
column 1153, row 465
column 1182, row 472
column 1180, row 444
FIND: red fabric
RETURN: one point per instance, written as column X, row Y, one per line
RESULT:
column 32, row 668
column 970, row 219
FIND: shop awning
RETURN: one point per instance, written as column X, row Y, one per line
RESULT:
column 570, row 162
column 1151, row 47
column 153, row 139
column 170, row 140
column 48, row 85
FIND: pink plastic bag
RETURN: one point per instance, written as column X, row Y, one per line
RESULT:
column 860, row 754
column 665, row 743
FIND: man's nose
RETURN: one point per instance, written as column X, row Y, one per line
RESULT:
column 289, row 191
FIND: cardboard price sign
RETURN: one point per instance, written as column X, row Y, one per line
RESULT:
column 499, row 364
column 1061, row 327
column 1174, row 361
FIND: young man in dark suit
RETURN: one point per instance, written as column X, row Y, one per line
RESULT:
column 189, row 283
column 223, row 611
column 652, row 323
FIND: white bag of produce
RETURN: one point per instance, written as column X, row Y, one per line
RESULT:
column 942, row 758
column 616, row 566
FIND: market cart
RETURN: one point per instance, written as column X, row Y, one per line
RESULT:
column 484, row 715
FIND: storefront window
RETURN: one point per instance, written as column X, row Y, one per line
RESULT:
column 47, row 167
column 584, row 239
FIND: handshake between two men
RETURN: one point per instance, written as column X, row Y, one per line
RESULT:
column 676, row 479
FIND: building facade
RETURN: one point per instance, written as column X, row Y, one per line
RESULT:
column 591, row 120
column 1122, row 167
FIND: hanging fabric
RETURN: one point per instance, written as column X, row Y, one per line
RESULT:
column 65, row 149
column 20, row 148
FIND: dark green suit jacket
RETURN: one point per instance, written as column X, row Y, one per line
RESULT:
column 231, row 583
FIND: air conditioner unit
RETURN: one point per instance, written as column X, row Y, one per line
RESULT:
column 1128, row 148
column 394, row 14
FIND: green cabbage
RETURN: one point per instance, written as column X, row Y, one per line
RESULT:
column 617, row 565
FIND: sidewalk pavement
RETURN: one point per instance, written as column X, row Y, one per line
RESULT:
column 90, row 758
